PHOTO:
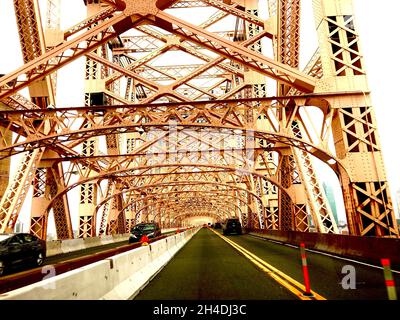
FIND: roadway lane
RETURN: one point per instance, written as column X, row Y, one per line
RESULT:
column 325, row 272
column 208, row 268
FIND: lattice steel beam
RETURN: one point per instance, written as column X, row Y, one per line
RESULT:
column 13, row 198
column 247, row 57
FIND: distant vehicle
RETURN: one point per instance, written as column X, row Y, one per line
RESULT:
column 205, row 225
column 17, row 249
column 151, row 230
column 232, row 226
column 217, row 225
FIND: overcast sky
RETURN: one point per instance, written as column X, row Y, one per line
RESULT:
column 377, row 22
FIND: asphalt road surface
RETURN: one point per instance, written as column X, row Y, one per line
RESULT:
column 244, row 267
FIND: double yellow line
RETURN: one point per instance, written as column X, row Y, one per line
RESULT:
column 289, row 283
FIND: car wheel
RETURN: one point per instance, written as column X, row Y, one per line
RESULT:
column 39, row 259
column 2, row 268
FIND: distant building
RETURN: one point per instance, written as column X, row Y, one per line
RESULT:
column 342, row 226
column 19, row 227
column 330, row 195
column 398, row 203
column 396, row 208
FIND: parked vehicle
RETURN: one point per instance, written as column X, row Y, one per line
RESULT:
column 18, row 249
column 232, row 225
column 151, row 230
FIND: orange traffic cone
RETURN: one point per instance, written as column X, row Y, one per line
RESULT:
column 144, row 240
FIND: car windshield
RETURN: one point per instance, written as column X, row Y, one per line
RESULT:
column 5, row 236
column 143, row 227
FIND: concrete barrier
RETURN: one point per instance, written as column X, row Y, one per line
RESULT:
column 106, row 239
column 171, row 245
column 120, row 237
column 179, row 239
column 53, row 248
column 92, row 242
column 128, row 270
column 72, row 245
column 167, row 230
column 158, row 248
column 79, row 284
column 368, row 249
column 119, row 277
column 159, row 255
column 56, row 247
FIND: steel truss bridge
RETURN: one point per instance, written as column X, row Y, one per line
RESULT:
column 186, row 119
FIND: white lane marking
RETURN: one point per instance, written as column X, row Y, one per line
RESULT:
column 265, row 239
column 290, row 245
column 275, row 241
column 350, row 260
column 325, row 254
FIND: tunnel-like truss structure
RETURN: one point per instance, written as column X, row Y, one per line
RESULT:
column 186, row 119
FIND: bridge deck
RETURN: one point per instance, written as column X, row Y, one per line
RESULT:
column 209, row 268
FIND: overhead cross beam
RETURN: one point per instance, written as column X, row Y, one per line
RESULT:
column 247, row 57
column 65, row 53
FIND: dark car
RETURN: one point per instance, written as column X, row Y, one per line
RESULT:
column 20, row 249
column 151, row 230
column 232, row 226
column 217, row 225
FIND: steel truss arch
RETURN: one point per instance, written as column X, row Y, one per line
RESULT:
column 108, row 175
column 277, row 137
column 185, row 191
column 181, row 183
column 220, row 207
column 113, row 174
column 199, row 215
column 166, row 200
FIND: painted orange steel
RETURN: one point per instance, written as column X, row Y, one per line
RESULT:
column 208, row 134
